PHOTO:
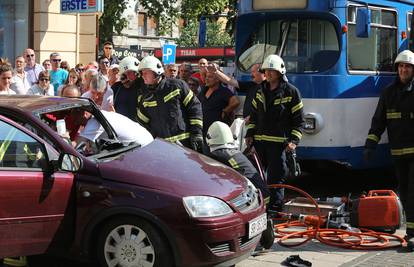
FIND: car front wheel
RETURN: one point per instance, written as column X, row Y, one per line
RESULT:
column 130, row 241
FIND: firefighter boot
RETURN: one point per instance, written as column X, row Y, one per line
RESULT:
column 410, row 243
column 268, row 235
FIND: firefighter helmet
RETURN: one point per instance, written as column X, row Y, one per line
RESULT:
column 219, row 134
column 274, row 62
column 128, row 63
column 151, row 63
column 405, row 56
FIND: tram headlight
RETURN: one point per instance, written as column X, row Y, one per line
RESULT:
column 313, row 123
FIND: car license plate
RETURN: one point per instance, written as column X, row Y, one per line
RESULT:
column 257, row 225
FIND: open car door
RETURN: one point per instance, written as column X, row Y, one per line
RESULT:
column 33, row 197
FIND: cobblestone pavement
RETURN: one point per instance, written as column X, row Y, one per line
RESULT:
column 321, row 255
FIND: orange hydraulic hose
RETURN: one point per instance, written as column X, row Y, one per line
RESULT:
column 366, row 240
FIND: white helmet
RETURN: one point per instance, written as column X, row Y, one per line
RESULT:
column 128, row 63
column 405, row 56
column 219, row 134
column 151, row 63
column 274, row 62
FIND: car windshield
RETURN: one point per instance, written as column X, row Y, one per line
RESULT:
column 306, row 45
column 86, row 129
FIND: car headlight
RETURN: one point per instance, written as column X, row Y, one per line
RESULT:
column 204, row 206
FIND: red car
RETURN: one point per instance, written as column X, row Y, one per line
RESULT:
column 122, row 204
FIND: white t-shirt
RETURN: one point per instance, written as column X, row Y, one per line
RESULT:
column 126, row 129
column 108, row 99
column 8, row 92
column 36, row 90
column 20, row 85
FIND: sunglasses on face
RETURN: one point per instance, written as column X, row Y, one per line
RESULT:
column 28, row 56
column 43, row 79
column 110, row 48
column 79, row 70
column 56, row 60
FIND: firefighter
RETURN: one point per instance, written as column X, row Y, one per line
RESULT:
column 395, row 112
column 222, row 147
column 275, row 125
column 129, row 89
column 168, row 108
column 129, row 67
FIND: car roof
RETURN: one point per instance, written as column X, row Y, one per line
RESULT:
column 40, row 104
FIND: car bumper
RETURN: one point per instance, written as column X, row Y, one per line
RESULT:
column 217, row 243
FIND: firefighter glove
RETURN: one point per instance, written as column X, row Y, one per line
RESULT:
column 292, row 164
column 368, row 154
column 196, row 141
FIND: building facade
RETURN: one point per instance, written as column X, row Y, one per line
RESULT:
column 141, row 33
column 38, row 24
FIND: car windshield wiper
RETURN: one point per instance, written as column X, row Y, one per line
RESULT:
column 110, row 153
column 108, row 144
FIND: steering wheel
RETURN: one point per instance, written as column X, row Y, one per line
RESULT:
column 80, row 147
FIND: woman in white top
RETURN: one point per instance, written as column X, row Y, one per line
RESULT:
column 43, row 87
column 101, row 93
column 5, row 77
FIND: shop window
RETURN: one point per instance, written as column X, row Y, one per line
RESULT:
column 14, row 27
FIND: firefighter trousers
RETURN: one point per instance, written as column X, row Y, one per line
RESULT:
column 273, row 159
column 405, row 174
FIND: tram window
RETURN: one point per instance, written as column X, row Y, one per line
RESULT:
column 388, row 18
column 352, row 14
column 410, row 37
column 306, row 45
column 377, row 52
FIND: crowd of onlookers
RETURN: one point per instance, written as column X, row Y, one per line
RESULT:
column 96, row 79
column 50, row 78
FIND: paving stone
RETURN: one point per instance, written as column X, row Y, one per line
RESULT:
column 322, row 255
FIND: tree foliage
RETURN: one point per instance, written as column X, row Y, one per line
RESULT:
column 167, row 12
column 164, row 12
column 193, row 10
column 215, row 35
column 112, row 19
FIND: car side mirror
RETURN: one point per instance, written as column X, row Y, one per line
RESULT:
column 70, row 163
column 363, row 22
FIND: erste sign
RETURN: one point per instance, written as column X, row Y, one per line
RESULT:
column 81, row 6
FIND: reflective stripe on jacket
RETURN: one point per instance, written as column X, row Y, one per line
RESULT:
column 171, row 111
column 278, row 119
column 394, row 112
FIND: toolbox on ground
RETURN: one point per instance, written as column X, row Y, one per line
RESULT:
column 301, row 205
